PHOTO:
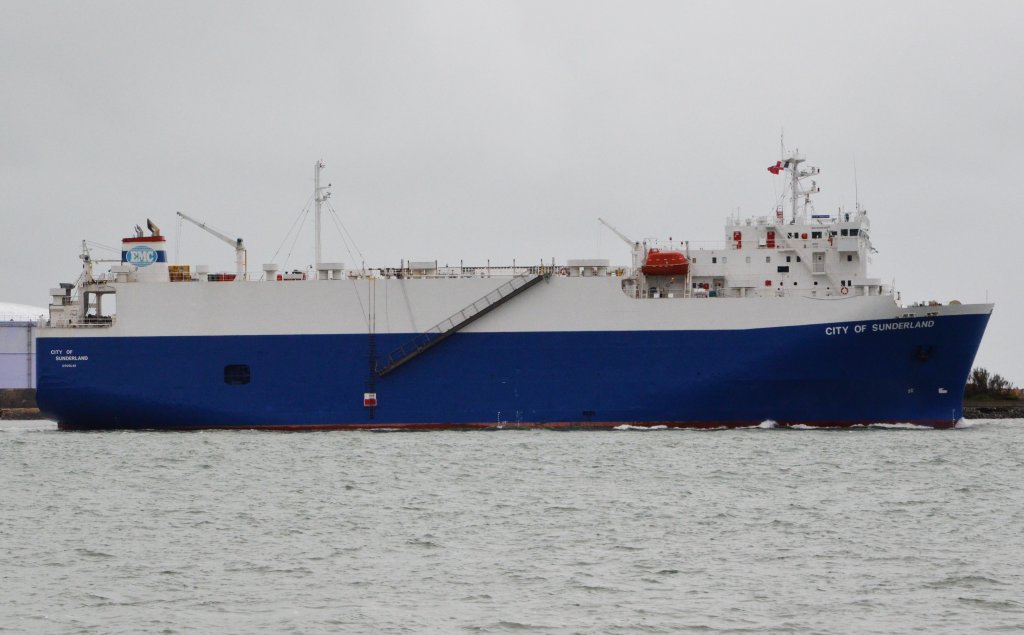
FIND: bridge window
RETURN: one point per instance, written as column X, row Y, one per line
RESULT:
column 714, row 260
column 844, row 232
column 854, row 232
column 849, row 258
column 237, row 374
column 783, row 268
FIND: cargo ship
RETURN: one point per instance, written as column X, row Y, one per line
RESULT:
column 778, row 323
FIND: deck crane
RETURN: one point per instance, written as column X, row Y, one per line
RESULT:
column 638, row 249
column 240, row 255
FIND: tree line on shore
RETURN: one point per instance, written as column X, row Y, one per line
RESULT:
column 982, row 384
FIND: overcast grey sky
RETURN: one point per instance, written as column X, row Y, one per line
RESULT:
column 501, row 130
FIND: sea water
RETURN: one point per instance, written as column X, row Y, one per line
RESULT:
column 869, row 530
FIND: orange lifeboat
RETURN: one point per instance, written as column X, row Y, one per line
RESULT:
column 665, row 263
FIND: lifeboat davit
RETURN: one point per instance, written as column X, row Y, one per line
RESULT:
column 665, row 263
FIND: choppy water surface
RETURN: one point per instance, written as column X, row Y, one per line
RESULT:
column 855, row 531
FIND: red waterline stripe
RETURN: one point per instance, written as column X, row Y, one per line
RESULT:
column 555, row 425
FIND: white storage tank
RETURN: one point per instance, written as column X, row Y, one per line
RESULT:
column 17, row 344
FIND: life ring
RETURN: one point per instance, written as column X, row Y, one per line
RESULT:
column 563, row 271
column 844, row 291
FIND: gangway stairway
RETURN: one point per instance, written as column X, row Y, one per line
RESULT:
column 459, row 320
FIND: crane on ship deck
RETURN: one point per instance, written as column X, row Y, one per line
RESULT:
column 241, row 259
column 637, row 249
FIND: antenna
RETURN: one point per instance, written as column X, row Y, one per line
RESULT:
column 856, row 188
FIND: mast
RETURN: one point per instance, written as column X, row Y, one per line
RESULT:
column 797, row 174
column 319, row 196
column 794, row 181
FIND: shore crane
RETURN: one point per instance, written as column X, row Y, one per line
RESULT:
column 240, row 254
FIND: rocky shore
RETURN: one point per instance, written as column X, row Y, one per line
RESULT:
column 994, row 410
column 19, row 414
column 18, row 404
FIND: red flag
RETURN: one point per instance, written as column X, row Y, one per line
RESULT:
column 775, row 169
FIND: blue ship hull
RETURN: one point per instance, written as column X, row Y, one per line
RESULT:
column 810, row 375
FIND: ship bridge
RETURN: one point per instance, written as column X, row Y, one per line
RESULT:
column 811, row 254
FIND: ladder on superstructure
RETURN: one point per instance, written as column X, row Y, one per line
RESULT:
column 459, row 320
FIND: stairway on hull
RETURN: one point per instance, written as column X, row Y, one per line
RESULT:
column 459, row 320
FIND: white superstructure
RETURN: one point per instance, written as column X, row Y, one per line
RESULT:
column 803, row 256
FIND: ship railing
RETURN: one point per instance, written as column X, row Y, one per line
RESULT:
column 102, row 278
column 753, row 292
column 483, row 271
column 19, row 318
column 461, row 271
column 782, row 243
column 467, row 271
column 103, row 322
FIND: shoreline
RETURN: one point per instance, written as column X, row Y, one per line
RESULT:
column 19, row 414
column 994, row 410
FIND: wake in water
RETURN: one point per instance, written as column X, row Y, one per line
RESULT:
column 27, row 425
column 629, row 427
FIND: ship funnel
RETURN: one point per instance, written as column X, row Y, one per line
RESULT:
column 147, row 255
